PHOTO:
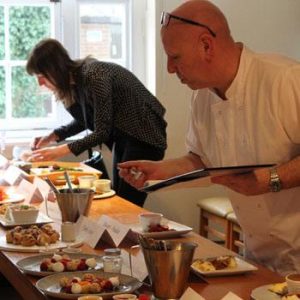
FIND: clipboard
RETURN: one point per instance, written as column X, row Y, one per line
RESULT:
column 155, row 185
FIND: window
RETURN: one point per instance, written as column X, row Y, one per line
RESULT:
column 22, row 25
column 101, row 28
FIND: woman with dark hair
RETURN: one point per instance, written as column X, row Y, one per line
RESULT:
column 104, row 98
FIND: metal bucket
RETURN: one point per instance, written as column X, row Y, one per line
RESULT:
column 72, row 205
column 169, row 268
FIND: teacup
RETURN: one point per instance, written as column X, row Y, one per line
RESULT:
column 150, row 219
column 124, row 297
column 90, row 297
column 102, row 185
column 86, row 181
column 293, row 283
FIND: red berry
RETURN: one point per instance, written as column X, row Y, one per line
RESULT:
column 44, row 266
column 107, row 285
column 82, row 266
column 144, row 297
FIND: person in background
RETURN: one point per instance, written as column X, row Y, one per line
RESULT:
column 105, row 98
column 245, row 110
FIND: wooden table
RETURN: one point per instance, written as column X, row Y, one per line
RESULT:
column 126, row 212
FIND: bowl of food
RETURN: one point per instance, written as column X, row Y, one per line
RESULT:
column 23, row 214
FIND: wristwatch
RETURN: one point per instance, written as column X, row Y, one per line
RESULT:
column 275, row 183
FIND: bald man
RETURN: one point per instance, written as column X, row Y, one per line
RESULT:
column 245, row 110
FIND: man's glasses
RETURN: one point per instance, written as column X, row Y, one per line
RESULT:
column 166, row 17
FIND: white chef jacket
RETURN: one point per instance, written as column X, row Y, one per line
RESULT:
column 259, row 123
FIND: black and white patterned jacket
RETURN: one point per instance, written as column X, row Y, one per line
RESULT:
column 115, row 100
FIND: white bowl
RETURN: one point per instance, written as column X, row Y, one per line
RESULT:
column 23, row 214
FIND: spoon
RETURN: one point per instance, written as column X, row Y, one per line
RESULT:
column 51, row 184
column 67, row 177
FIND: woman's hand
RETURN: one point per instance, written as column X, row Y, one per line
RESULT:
column 42, row 141
column 49, row 153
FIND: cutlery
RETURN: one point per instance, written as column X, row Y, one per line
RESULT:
column 67, row 177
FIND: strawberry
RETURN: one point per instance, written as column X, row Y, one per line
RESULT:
column 82, row 266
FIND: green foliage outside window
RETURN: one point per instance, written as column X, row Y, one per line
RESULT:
column 27, row 26
column 1, row 33
column 2, row 93
column 26, row 102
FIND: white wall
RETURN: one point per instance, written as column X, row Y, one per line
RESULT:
column 264, row 25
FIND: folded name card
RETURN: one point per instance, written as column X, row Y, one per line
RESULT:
column 190, row 294
column 31, row 192
column 104, row 230
column 14, row 175
column 231, row 296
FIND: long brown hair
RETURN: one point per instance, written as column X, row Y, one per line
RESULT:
column 50, row 59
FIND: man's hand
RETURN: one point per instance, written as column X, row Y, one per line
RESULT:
column 136, row 173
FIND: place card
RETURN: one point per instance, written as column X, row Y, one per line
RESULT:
column 89, row 231
column 30, row 191
column 42, row 186
column 4, row 162
column 14, row 175
column 231, row 296
column 138, row 265
column 117, row 231
column 190, row 294
column 104, row 230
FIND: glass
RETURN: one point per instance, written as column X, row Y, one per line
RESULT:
column 103, row 31
column 166, row 17
column 112, row 260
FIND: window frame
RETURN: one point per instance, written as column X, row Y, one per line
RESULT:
column 66, row 21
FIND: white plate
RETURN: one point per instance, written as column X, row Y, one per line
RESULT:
column 262, row 293
column 18, row 248
column 13, row 198
column 179, row 229
column 50, row 284
column 105, row 195
column 41, row 219
column 241, row 268
column 31, row 264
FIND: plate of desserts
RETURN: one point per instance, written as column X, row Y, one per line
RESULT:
column 48, row 264
column 34, row 239
column 221, row 266
column 71, row 285
column 167, row 229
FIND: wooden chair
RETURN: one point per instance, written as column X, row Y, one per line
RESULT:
column 236, row 242
column 213, row 218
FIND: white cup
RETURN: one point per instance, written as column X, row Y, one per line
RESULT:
column 86, row 181
column 125, row 296
column 102, row 185
column 90, row 297
column 148, row 219
column 293, row 283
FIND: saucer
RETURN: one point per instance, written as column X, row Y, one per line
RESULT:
column 104, row 195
